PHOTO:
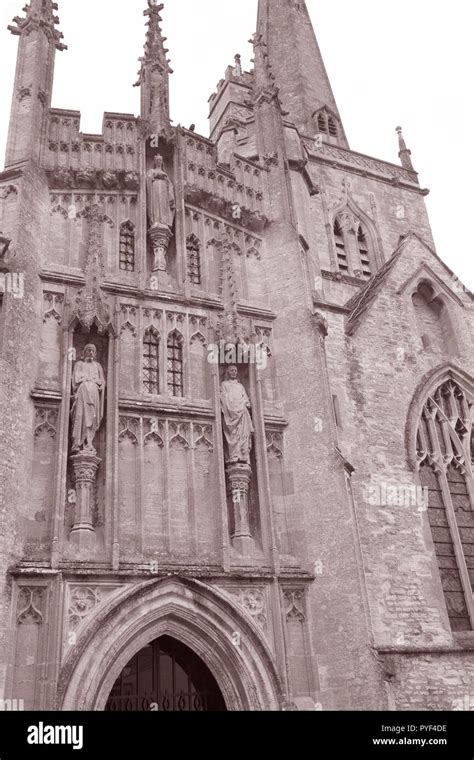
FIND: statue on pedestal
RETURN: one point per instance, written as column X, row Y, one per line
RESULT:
column 238, row 429
column 160, row 195
column 88, row 384
column 237, row 422
column 161, row 213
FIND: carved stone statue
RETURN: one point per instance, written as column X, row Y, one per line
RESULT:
column 88, row 385
column 237, row 422
column 160, row 195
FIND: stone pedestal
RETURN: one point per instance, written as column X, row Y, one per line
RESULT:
column 85, row 465
column 160, row 236
column 238, row 479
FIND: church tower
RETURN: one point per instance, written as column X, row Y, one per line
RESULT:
column 237, row 391
column 299, row 70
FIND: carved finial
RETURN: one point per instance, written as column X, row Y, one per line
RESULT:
column 230, row 328
column 238, row 65
column 404, row 153
column 91, row 304
column 153, row 76
column 155, row 51
column 40, row 15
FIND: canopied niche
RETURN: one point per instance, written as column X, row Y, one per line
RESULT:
column 240, row 456
column 90, row 375
column 433, row 321
column 85, row 486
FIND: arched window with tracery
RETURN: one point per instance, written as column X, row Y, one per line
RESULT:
column 175, row 364
column 151, row 361
column 444, row 460
column 127, row 247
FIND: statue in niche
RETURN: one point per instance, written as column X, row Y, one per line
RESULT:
column 88, row 385
column 237, row 422
column 160, row 195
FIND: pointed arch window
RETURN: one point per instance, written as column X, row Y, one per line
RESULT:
column 175, row 364
column 332, row 128
column 364, row 255
column 341, row 251
column 127, row 247
column 326, row 124
column 193, row 249
column 444, row 454
column 151, row 361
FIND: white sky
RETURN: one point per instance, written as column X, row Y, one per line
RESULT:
column 408, row 62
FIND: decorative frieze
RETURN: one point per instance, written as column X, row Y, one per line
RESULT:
column 348, row 159
column 97, row 179
column 167, row 431
column 252, row 219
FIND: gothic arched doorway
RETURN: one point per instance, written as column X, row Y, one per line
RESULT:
column 167, row 676
column 197, row 615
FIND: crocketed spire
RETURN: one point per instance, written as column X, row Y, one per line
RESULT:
column 39, row 14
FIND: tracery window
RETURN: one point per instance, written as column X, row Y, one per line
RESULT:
column 444, row 454
column 175, row 364
column 127, row 247
column 151, row 361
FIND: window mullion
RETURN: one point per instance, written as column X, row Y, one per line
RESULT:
column 457, row 543
column 440, row 469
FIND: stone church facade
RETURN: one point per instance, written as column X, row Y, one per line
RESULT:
column 256, row 490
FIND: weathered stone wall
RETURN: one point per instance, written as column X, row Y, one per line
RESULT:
column 334, row 601
column 19, row 363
